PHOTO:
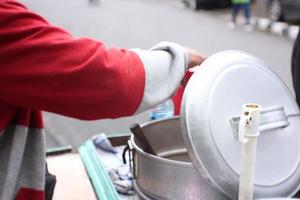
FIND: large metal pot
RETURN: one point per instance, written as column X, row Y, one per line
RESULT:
column 170, row 175
column 208, row 131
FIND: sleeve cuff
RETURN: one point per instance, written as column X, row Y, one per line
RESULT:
column 165, row 65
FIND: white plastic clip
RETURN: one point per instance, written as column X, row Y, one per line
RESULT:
column 249, row 122
column 248, row 133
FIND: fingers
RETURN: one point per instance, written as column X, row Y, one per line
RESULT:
column 195, row 58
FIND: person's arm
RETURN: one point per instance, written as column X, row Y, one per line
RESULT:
column 43, row 67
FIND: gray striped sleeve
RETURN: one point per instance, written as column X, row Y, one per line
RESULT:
column 165, row 65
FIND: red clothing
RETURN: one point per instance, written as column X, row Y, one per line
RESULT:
column 44, row 68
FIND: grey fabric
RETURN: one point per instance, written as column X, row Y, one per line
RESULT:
column 12, row 145
column 22, row 163
column 165, row 65
column 33, row 165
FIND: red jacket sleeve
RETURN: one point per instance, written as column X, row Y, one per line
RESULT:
column 43, row 67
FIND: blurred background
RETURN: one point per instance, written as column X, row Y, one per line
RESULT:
column 199, row 24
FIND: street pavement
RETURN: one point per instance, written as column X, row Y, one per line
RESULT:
column 142, row 24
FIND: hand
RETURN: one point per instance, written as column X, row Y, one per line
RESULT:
column 195, row 58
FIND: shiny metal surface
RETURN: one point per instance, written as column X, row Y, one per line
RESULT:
column 170, row 175
column 278, row 199
column 215, row 94
column 140, row 194
column 271, row 118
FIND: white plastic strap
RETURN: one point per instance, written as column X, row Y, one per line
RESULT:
column 248, row 133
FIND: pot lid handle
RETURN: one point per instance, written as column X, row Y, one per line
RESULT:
column 271, row 118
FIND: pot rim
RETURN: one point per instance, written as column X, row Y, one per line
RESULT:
column 157, row 158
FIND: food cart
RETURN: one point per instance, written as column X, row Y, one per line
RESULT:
column 198, row 154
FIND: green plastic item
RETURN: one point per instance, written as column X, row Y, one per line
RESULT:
column 100, row 179
column 240, row 1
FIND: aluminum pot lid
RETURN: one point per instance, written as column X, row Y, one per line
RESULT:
column 213, row 99
column 278, row 199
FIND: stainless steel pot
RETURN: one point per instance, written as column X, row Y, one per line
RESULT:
column 210, row 104
column 170, row 175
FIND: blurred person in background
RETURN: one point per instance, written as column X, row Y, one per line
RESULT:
column 236, row 6
column 43, row 67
